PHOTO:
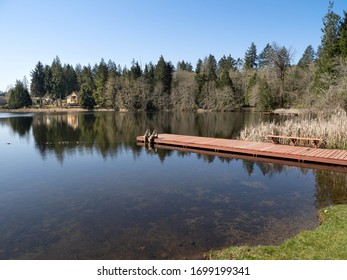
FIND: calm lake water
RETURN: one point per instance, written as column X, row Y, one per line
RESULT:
column 77, row 186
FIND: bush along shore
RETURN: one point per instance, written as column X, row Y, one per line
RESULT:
column 332, row 128
column 327, row 242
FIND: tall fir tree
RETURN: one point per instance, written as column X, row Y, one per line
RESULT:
column 37, row 86
column 250, row 61
column 71, row 79
column 162, row 84
column 227, row 63
column 264, row 58
column 308, row 57
column 87, row 87
column 135, row 70
column 328, row 50
column 101, row 76
column 163, row 74
column 58, row 82
column 343, row 36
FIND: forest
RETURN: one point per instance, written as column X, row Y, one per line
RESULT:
column 262, row 80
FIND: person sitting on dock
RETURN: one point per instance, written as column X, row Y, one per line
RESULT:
column 153, row 136
column 147, row 135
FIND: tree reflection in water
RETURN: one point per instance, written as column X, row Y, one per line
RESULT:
column 154, row 203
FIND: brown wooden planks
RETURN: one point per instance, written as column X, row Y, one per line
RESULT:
column 328, row 156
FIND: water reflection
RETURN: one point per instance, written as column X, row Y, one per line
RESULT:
column 106, row 132
column 108, row 198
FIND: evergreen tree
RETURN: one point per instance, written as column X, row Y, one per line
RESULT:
column 70, row 79
column 163, row 74
column 148, row 74
column 135, row 70
column 19, row 96
column 227, row 63
column 307, row 58
column 162, row 84
column 251, row 57
column 113, row 87
column 207, row 98
column 265, row 101
column 184, row 66
column 101, row 76
column 343, row 37
column 112, row 67
column 200, row 80
column 58, row 82
column 48, row 80
column 331, row 29
column 264, row 59
column 87, row 88
column 210, row 68
column 329, row 48
column 37, row 86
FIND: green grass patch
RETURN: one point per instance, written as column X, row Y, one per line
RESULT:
column 327, row 242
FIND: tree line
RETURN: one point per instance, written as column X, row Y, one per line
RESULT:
column 264, row 80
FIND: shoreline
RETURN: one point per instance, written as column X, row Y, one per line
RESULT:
column 326, row 242
column 53, row 110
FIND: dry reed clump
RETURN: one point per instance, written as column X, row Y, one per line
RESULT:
column 333, row 129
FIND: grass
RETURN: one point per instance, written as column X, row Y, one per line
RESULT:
column 332, row 128
column 327, row 242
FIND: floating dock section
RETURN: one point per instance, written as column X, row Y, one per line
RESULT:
column 256, row 149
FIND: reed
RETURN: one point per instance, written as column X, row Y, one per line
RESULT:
column 332, row 128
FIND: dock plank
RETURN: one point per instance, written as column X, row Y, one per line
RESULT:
column 268, row 150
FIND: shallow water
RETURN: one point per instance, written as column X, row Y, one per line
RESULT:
column 76, row 186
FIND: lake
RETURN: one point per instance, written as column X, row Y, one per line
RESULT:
column 77, row 186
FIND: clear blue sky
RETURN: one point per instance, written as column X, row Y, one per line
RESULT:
column 122, row 30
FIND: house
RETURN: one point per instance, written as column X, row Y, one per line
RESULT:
column 72, row 99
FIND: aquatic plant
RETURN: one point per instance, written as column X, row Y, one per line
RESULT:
column 331, row 128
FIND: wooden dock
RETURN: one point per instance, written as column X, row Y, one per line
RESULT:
column 256, row 149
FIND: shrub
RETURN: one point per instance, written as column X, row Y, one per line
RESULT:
column 19, row 96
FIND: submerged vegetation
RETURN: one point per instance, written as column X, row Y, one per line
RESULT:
column 327, row 242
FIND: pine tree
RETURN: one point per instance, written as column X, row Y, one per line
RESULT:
column 70, row 79
column 343, row 37
column 329, row 48
column 184, row 66
column 226, row 63
column 135, row 70
column 307, row 58
column 58, row 82
column 265, row 101
column 331, row 29
column 251, row 57
column 101, row 76
column 163, row 74
column 37, row 86
column 87, row 88
column 48, row 80
column 210, row 68
column 162, row 84
column 199, row 79
column 264, row 58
